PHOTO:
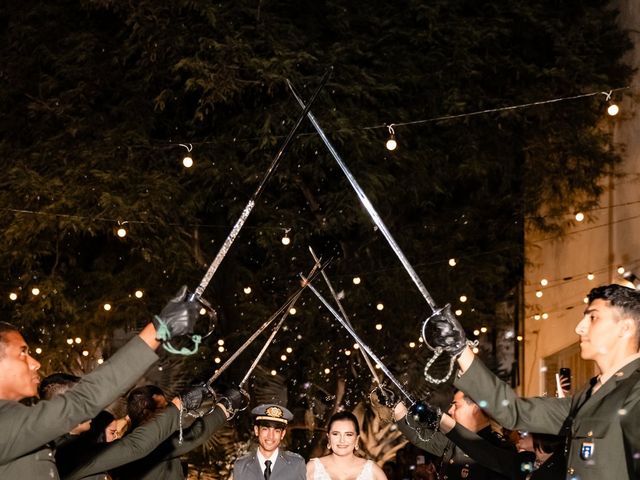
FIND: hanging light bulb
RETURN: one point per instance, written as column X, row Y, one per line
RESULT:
column 612, row 109
column 187, row 161
column 121, row 230
column 356, row 280
column 285, row 239
column 391, row 142
column 579, row 217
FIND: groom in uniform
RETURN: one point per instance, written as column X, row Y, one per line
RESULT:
column 268, row 460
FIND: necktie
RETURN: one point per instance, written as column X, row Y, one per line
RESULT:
column 267, row 469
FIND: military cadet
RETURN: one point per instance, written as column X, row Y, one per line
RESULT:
column 26, row 430
column 270, row 427
column 143, row 404
column 465, row 419
column 79, row 454
column 602, row 421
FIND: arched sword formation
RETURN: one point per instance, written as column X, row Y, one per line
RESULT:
column 417, row 408
column 441, row 313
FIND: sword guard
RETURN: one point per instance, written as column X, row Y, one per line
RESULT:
column 384, row 396
column 442, row 332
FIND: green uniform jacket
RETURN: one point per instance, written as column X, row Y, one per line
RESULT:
column 456, row 463
column 164, row 462
column 603, row 428
column 26, row 430
column 101, row 457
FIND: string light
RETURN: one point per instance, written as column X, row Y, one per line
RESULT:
column 274, row 373
column 289, row 350
column 293, row 311
column 107, row 306
column 391, row 144
column 100, row 361
column 545, row 316
column 380, row 306
column 121, row 231
column 283, row 358
column 621, row 270
column 85, row 353
column 356, row 346
column 519, row 338
column 78, row 340
column 579, row 216
column 187, row 161
column 347, row 352
column 463, row 298
column 536, row 316
column 202, row 311
column 221, row 342
column 458, row 312
column 327, row 371
column 38, row 350
column 476, row 332
column 285, row 239
column 544, row 282
column 247, row 290
column 139, row 294
column 35, row 291
column 378, row 326
column 612, row 109
column 483, row 329
column 221, row 349
column 70, row 341
column 539, row 293
column 13, row 296
column 356, row 280
column 452, row 262
column 590, row 276
column 217, row 360
column 412, row 344
column 475, row 350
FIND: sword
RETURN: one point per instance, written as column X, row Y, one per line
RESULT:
column 285, row 307
column 435, row 311
column 418, row 409
column 252, row 201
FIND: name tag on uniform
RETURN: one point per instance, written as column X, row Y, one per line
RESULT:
column 587, row 450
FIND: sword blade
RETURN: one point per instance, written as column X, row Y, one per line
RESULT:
column 285, row 307
column 252, row 201
column 367, row 205
column 345, row 317
column 363, row 345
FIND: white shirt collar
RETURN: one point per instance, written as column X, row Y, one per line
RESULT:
column 262, row 458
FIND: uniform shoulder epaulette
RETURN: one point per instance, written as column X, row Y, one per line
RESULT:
column 292, row 455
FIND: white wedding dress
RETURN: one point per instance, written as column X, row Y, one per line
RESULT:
column 319, row 473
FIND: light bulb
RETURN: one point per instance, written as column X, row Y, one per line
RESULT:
column 458, row 312
column 274, row 373
column 613, row 110
column 121, row 232
column 187, row 162
column 35, row 291
column 620, row 271
column 85, row 353
column 590, row 276
column 483, row 329
column 13, row 296
column 283, row 357
column 412, row 344
column 579, row 216
column 286, row 240
column 221, row 342
column 452, row 262
column 380, row 306
column 463, row 298
column 378, row 326
column 356, row 280
column 38, row 350
column 539, row 293
column 139, row 294
column 544, row 282
column 292, row 311
column 247, row 290
column 107, row 306
column 78, row 340
column 391, row 143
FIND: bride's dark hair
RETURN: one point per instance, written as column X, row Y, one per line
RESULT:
column 344, row 416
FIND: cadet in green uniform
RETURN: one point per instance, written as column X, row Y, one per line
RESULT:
column 164, row 462
column 26, row 430
column 466, row 421
column 601, row 422
column 269, row 460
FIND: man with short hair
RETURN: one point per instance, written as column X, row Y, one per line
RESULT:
column 601, row 422
column 270, row 428
column 26, row 430
column 468, row 421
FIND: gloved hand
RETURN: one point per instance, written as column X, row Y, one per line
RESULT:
column 234, row 400
column 442, row 330
column 177, row 317
column 193, row 398
column 384, row 396
column 423, row 413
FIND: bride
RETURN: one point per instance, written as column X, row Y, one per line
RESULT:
column 342, row 463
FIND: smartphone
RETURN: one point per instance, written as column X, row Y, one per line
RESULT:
column 566, row 373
